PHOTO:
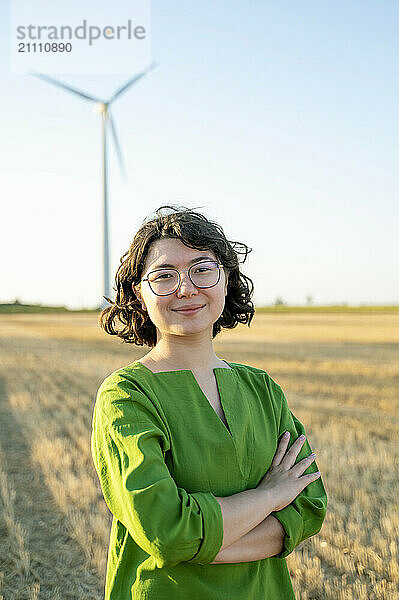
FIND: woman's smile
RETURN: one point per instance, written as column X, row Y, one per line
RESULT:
column 192, row 311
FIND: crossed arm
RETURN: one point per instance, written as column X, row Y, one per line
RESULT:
column 264, row 541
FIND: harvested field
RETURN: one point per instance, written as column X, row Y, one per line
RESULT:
column 340, row 374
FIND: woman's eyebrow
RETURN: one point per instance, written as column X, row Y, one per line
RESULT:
column 190, row 262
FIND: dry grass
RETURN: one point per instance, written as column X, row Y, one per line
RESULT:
column 340, row 373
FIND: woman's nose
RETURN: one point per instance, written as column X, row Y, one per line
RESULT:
column 185, row 284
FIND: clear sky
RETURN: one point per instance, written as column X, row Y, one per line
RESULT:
column 278, row 119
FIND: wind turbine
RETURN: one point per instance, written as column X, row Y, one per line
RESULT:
column 102, row 108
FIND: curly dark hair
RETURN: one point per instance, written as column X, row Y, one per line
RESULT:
column 195, row 231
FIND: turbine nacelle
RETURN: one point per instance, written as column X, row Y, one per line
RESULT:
column 100, row 108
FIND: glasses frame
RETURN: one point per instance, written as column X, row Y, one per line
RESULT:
column 220, row 265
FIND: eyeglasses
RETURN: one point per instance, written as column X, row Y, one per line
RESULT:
column 163, row 282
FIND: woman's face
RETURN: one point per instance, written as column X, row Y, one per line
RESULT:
column 163, row 310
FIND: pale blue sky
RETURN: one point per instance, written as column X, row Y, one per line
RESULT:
column 279, row 119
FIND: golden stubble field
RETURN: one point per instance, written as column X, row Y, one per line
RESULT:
column 340, row 374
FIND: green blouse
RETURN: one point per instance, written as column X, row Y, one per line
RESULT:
column 162, row 454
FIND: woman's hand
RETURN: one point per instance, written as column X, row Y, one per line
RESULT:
column 283, row 480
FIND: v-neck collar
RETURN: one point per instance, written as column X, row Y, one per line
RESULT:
column 181, row 370
column 216, row 371
column 232, row 398
column 219, row 382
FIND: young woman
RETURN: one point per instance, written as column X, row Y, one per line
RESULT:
column 206, row 492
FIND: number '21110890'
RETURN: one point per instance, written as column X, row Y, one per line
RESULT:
column 47, row 47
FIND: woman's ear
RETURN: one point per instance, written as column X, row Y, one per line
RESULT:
column 138, row 296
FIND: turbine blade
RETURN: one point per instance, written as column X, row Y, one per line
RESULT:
column 117, row 146
column 65, row 86
column 129, row 83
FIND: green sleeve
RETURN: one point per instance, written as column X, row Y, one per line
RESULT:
column 129, row 441
column 305, row 515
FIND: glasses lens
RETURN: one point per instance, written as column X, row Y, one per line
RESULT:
column 163, row 281
column 205, row 274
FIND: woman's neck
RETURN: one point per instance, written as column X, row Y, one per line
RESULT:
column 187, row 360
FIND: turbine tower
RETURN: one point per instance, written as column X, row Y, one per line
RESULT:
column 102, row 108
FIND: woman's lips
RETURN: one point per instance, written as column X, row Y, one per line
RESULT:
column 191, row 311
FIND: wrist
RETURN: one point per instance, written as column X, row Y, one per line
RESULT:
column 267, row 500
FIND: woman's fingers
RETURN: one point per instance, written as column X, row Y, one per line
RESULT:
column 290, row 457
column 287, row 459
column 281, row 449
column 303, row 464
